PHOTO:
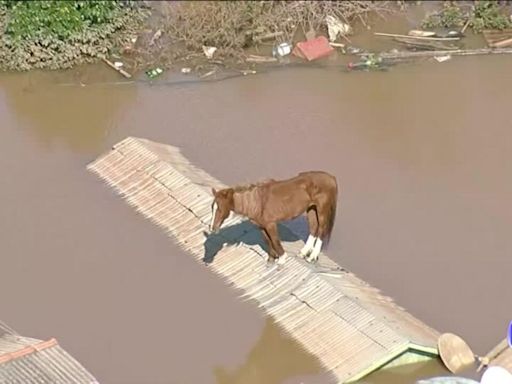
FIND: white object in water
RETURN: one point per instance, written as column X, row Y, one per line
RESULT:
column 209, row 51
column 282, row 49
column 496, row 375
column 440, row 59
column 447, row 380
column 335, row 27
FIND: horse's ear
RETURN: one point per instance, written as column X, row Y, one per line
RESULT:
column 214, row 192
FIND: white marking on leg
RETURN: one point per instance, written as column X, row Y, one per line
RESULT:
column 282, row 259
column 308, row 247
column 316, row 251
column 214, row 211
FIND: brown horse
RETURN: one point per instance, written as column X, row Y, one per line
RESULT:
column 269, row 202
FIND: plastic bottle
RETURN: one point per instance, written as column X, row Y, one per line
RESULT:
column 152, row 73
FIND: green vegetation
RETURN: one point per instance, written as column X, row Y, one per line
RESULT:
column 483, row 15
column 487, row 15
column 451, row 16
column 60, row 34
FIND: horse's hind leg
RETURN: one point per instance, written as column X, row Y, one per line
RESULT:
column 313, row 232
column 273, row 233
column 321, row 210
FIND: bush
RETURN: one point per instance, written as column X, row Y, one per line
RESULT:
column 487, row 15
column 483, row 15
column 59, row 34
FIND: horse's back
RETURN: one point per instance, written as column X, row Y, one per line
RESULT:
column 319, row 178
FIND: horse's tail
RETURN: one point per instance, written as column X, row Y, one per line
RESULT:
column 332, row 196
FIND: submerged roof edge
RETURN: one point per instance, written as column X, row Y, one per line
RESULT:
column 382, row 362
column 377, row 364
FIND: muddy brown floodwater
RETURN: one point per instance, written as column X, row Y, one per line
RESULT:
column 423, row 158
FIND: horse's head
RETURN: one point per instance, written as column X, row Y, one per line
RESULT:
column 221, row 207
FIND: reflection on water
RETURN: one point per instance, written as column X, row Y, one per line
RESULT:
column 274, row 358
column 78, row 116
column 407, row 374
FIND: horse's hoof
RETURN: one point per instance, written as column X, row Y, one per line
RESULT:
column 282, row 259
column 311, row 260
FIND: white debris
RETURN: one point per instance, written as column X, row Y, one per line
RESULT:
column 440, row 59
column 209, row 51
column 335, row 27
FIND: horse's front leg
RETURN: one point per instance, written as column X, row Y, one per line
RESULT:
column 276, row 242
column 271, row 251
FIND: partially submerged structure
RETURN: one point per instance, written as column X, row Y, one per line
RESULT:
column 348, row 325
column 24, row 360
column 500, row 355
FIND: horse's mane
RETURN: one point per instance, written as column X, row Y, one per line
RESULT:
column 248, row 197
column 240, row 188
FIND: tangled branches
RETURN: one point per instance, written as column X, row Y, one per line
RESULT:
column 235, row 26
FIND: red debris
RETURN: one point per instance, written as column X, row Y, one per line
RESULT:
column 313, row 49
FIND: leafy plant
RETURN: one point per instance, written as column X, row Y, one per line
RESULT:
column 487, row 15
column 61, row 19
column 60, row 34
column 449, row 17
column 483, row 15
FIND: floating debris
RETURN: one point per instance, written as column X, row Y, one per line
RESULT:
column 417, row 37
column 313, row 49
column 281, row 50
column 246, row 72
column 441, row 59
column 260, row 59
column 155, row 37
column 368, row 62
column 208, row 74
column 426, row 45
column 209, row 51
column 152, row 73
column 455, row 353
column 336, row 27
column 420, row 33
column 117, row 67
column 268, row 36
column 351, row 50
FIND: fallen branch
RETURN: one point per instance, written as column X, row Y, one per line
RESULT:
column 432, row 45
column 418, row 37
column 260, row 59
column 458, row 52
column 120, row 70
column 268, row 36
column 502, row 43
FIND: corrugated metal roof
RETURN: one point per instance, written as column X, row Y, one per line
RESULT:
column 350, row 326
column 25, row 360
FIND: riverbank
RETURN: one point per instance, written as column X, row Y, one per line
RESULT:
column 146, row 39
